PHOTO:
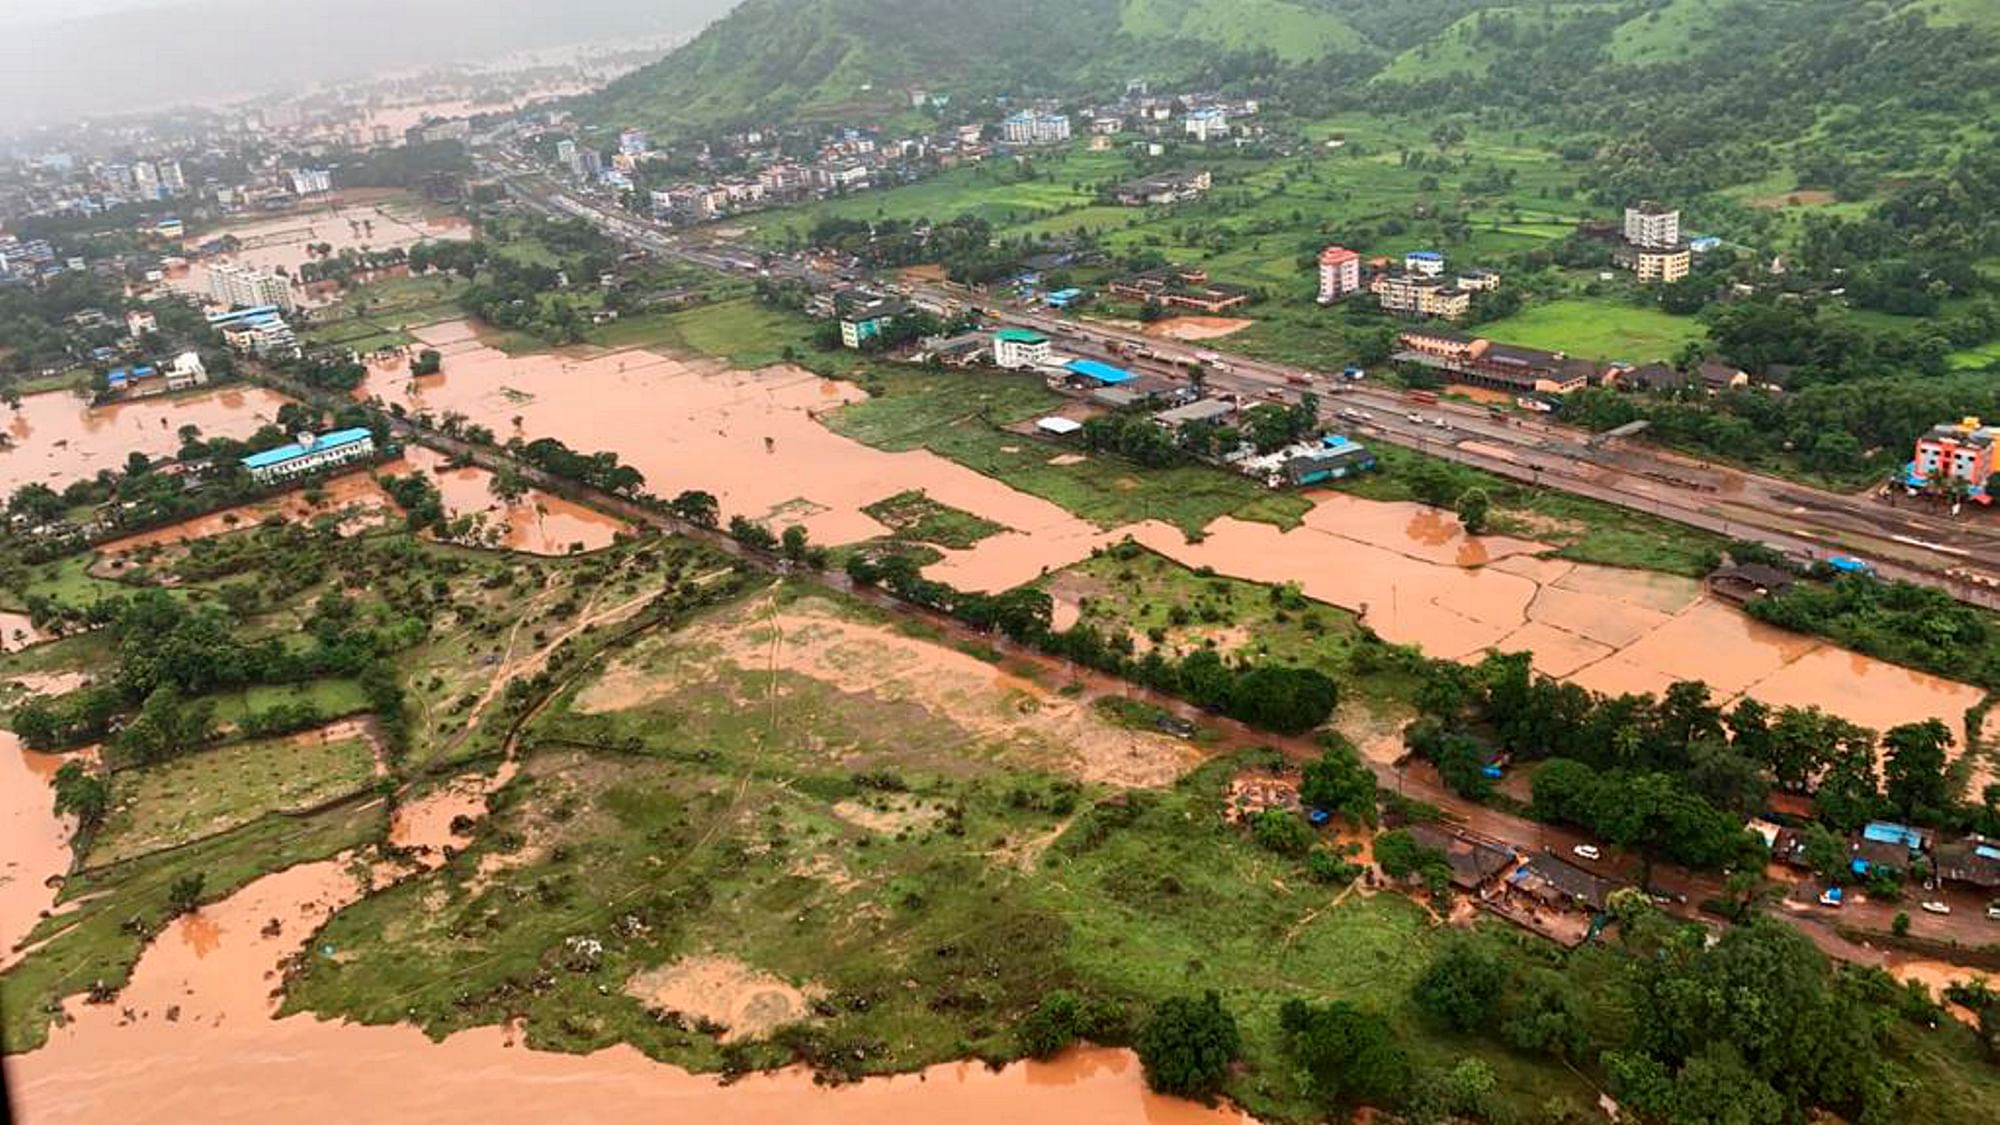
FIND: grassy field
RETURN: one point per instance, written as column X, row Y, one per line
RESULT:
column 913, row 515
column 879, row 855
column 331, row 698
column 958, row 417
column 1603, row 330
column 741, row 331
column 1162, row 604
column 211, row 791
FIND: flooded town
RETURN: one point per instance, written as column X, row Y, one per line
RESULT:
column 564, row 582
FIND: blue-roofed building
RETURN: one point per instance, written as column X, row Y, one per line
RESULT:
column 1063, row 298
column 1425, row 263
column 1101, row 373
column 1889, row 832
column 117, row 378
column 309, row 454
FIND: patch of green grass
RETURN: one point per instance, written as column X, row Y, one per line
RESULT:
column 332, row 698
column 108, row 914
column 958, row 416
column 741, row 331
column 1597, row 329
column 214, row 790
column 66, row 580
column 914, row 515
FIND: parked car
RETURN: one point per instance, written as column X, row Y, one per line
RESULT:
column 1933, row 906
column 1586, row 851
column 1993, row 910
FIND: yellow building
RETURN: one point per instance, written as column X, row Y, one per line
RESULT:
column 1666, row 266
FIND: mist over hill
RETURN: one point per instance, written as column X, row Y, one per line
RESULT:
column 199, row 50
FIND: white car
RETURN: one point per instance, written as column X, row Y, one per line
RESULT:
column 1934, row 907
column 1415, row 417
column 1586, row 851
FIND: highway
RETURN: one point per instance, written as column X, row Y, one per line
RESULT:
column 1960, row 556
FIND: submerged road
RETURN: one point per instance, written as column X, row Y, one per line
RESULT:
column 1960, row 556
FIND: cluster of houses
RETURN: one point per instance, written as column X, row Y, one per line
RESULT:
column 139, row 380
column 1648, row 243
column 1181, row 288
column 1900, row 851
column 1198, row 117
column 1418, row 286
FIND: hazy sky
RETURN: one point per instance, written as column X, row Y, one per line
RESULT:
column 46, row 11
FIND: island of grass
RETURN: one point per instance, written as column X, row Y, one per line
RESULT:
column 912, row 514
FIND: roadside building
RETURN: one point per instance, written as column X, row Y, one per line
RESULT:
column 1971, row 860
column 1558, row 884
column 1718, row 376
column 1339, row 273
column 309, row 454
column 1482, row 362
column 1337, row 458
column 259, row 331
column 1016, row 348
column 1178, row 287
column 1200, row 410
column 1961, row 452
column 1415, row 294
column 862, row 322
column 1743, row 582
column 138, row 322
column 1091, row 371
column 1473, row 863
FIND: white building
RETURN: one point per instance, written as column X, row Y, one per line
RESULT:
column 309, row 454
column 1030, row 128
column 311, row 181
column 1650, row 224
column 1424, row 263
column 237, row 286
column 1015, row 348
column 138, row 322
column 1339, row 273
column 186, row 371
column 1210, row 123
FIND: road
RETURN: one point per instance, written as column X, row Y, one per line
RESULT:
column 1960, row 556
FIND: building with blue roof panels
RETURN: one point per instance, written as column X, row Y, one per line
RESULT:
column 1102, row 373
column 309, row 454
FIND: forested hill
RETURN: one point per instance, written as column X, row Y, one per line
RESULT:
column 1671, row 74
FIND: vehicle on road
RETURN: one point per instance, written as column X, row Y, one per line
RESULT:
column 1933, row 906
column 1425, row 397
column 1415, row 417
column 1274, row 394
column 1831, row 897
column 1350, row 414
column 1298, row 380
column 1441, row 422
column 1586, row 851
column 1993, row 910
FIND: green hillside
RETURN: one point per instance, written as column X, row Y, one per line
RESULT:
column 1294, row 30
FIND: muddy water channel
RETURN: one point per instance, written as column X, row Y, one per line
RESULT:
column 59, row 437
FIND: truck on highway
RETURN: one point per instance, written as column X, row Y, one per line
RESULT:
column 1298, row 380
column 1425, row 397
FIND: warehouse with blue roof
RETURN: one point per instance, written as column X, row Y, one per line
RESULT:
column 309, row 454
column 1101, row 373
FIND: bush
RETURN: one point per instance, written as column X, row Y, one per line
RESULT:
column 1462, row 986
column 1187, row 1044
column 1282, row 832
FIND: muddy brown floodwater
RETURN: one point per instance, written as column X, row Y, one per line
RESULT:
column 58, row 437
column 191, row 1039
column 756, row 441
column 34, row 841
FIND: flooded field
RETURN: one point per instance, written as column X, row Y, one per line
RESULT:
column 755, row 440
column 58, row 437
column 358, row 220
column 751, row 438
column 34, row 841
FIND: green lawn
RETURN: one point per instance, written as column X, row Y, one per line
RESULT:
column 1604, row 330
column 912, row 515
column 958, row 416
column 214, row 790
column 332, row 698
column 741, row 331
